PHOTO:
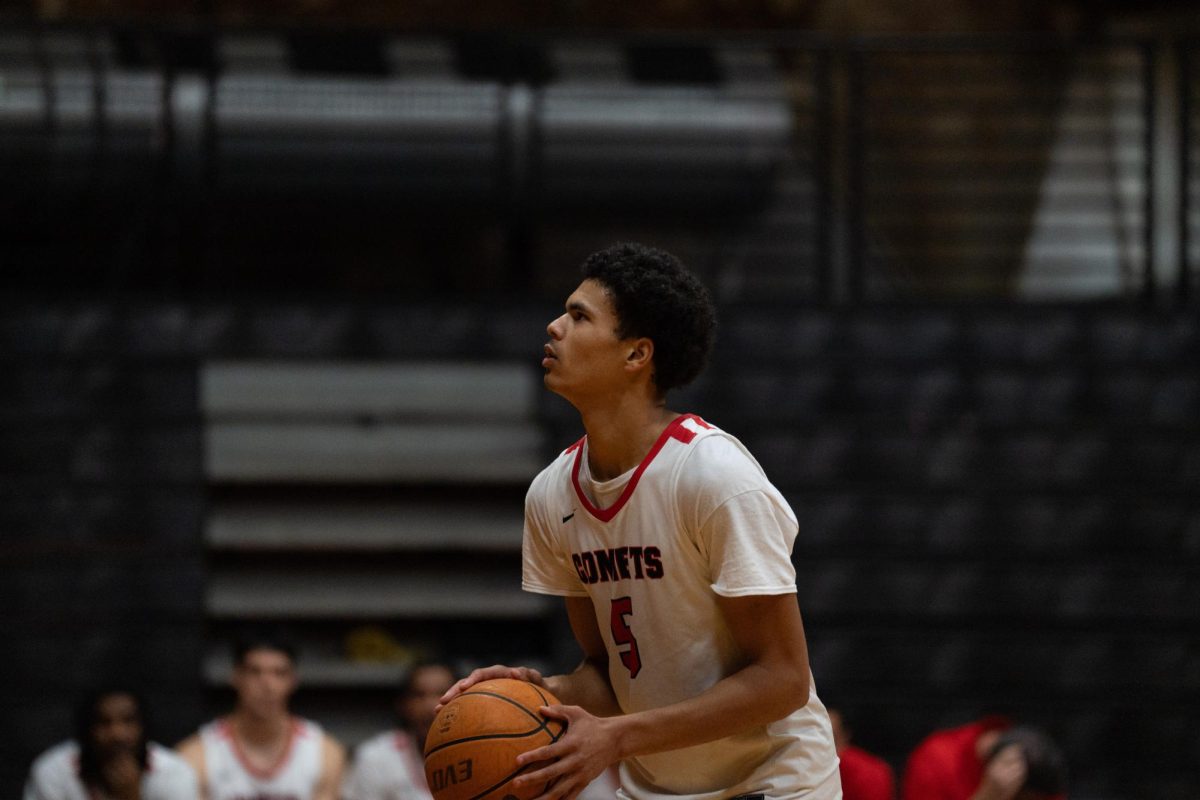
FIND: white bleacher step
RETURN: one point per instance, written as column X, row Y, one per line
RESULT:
column 274, row 389
column 388, row 527
column 330, row 452
column 258, row 594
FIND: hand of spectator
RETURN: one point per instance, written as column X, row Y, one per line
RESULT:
column 1004, row 775
column 490, row 673
column 123, row 776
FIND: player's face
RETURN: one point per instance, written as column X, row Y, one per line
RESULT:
column 584, row 358
column 426, row 688
column 264, row 681
column 118, row 724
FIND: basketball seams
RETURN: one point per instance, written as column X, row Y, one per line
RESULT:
column 477, row 717
column 510, row 701
column 499, row 784
column 486, row 736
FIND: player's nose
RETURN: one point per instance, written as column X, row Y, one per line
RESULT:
column 555, row 327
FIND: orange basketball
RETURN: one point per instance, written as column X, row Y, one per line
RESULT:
column 472, row 747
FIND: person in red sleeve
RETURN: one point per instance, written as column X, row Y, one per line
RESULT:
column 985, row 760
column 864, row 776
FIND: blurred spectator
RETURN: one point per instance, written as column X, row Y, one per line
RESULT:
column 390, row 765
column 260, row 749
column 986, row 760
column 110, row 757
column 864, row 776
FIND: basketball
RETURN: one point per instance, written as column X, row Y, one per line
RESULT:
column 472, row 747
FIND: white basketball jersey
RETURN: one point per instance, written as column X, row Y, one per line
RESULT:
column 653, row 549
column 230, row 776
column 55, row 775
column 388, row 766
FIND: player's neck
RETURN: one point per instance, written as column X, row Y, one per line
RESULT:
column 261, row 731
column 620, row 436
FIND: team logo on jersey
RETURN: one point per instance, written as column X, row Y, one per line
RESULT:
column 618, row 563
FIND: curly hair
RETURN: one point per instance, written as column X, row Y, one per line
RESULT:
column 655, row 296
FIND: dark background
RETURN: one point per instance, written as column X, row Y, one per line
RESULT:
column 954, row 250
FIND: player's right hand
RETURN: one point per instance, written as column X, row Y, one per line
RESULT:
column 527, row 674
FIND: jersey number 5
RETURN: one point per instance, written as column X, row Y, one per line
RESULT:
column 622, row 607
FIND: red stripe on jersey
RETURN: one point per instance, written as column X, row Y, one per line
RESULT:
column 295, row 731
column 673, row 431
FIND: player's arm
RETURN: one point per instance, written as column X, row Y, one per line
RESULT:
column 773, row 682
column 191, row 750
column 333, row 766
column 588, row 685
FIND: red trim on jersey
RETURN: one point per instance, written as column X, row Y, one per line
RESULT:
column 673, row 431
column 295, row 730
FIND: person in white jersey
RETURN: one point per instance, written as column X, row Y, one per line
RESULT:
column 110, row 757
column 673, row 553
column 261, row 750
column 390, row 765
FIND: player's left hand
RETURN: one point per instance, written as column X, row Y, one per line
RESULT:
column 578, row 758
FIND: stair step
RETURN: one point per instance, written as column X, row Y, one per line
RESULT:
column 256, row 594
column 388, row 527
column 247, row 452
column 241, row 389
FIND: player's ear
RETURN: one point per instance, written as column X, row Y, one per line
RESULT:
column 640, row 353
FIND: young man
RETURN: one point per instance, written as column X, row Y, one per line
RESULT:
column 673, row 553
column 391, row 766
column 261, row 750
column 110, row 757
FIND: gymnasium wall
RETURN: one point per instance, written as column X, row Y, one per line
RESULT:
column 972, row 371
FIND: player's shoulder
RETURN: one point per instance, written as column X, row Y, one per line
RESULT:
column 56, row 759
column 554, row 474
column 191, row 750
column 305, row 728
column 716, row 466
column 165, row 761
column 710, row 445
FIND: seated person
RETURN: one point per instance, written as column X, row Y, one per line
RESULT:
column 110, row 758
column 390, row 765
column 988, row 759
column 260, row 749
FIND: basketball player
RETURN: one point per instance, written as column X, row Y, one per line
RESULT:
column 110, row 757
column 390, row 766
column 673, row 553
column 261, row 750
